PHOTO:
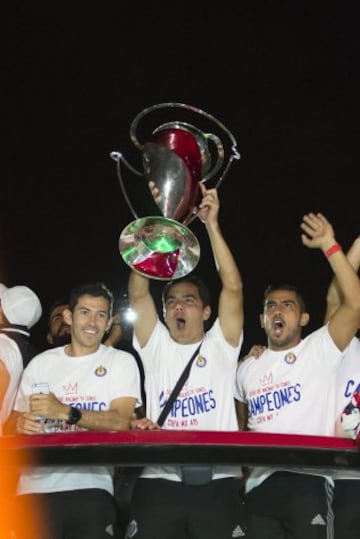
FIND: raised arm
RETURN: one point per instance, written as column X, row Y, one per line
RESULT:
column 319, row 233
column 334, row 297
column 230, row 308
column 143, row 306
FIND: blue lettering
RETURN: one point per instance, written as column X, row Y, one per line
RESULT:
column 262, row 401
column 94, row 406
column 269, row 402
column 277, row 399
column 193, row 405
column 255, row 406
column 349, row 389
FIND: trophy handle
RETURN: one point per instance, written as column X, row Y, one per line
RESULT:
column 148, row 110
column 220, row 155
column 118, row 157
column 211, row 137
column 234, row 151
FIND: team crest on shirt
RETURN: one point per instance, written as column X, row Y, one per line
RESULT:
column 290, row 358
column 100, row 371
column 201, row 361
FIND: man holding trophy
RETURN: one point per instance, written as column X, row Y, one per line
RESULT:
column 164, row 497
column 189, row 371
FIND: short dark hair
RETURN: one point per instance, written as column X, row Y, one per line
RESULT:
column 203, row 290
column 285, row 286
column 97, row 289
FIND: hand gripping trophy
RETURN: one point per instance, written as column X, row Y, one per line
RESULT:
column 175, row 158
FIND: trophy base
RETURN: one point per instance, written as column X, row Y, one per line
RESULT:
column 159, row 248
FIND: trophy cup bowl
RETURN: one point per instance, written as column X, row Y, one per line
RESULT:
column 160, row 248
column 176, row 158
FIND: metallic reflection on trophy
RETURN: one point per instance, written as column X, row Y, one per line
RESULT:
column 175, row 157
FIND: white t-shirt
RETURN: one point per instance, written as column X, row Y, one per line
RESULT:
column 348, row 380
column 206, row 401
column 88, row 382
column 291, row 392
column 11, row 357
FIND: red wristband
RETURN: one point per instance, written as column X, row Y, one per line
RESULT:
column 333, row 249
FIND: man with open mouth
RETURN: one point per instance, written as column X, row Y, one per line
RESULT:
column 173, row 501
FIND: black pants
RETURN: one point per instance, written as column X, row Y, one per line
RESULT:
column 162, row 509
column 74, row 514
column 290, row 505
column 346, row 508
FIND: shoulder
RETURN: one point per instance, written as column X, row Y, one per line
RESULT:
column 10, row 354
column 215, row 337
column 246, row 364
column 320, row 337
column 247, row 361
column 6, row 343
column 46, row 355
column 159, row 336
column 117, row 355
column 355, row 344
column 353, row 348
column 215, row 332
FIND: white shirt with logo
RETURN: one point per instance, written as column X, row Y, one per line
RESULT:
column 348, row 381
column 206, row 401
column 291, row 392
column 88, row 382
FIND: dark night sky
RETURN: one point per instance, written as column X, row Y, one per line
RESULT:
column 282, row 76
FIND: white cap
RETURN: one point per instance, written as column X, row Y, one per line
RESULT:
column 20, row 305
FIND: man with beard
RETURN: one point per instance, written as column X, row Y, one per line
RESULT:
column 291, row 389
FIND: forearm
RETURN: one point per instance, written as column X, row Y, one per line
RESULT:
column 143, row 305
column 242, row 415
column 105, row 420
column 334, row 295
column 230, row 304
column 224, row 260
column 28, row 423
column 138, row 287
column 353, row 254
column 117, row 417
column 347, row 280
column 333, row 299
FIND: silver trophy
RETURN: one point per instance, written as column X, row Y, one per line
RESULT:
column 175, row 157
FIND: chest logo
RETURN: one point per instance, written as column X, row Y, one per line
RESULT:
column 100, row 371
column 201, row 361
column 290, row 358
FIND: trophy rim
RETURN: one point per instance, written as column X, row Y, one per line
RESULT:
column 136, row 252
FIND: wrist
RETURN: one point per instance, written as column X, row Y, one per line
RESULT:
column 73, row 415
column 334, row 248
